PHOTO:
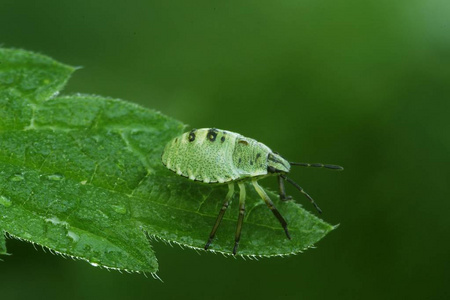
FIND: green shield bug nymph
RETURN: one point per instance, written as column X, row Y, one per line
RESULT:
column 216, row 156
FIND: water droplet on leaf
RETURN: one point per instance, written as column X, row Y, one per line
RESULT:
column 6, row 202
column 55, row 177
column 119, row 209
column 17, row 177
column 75, row 237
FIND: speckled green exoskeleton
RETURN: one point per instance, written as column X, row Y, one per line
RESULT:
column 216, row 156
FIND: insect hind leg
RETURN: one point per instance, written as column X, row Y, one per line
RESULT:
column 272, row 207
column 225, row 205
column 242, row 196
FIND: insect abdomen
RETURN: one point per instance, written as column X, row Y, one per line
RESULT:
column 203, row 155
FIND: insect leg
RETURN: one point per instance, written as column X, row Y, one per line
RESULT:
column 221, row 213
column 242, row 196
column 302, row 191
column 272, row 207
column 283, row 196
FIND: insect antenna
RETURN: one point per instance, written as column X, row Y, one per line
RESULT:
column 333, row 167
column 302, row 191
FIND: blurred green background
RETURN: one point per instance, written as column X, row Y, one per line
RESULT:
column 363, row 84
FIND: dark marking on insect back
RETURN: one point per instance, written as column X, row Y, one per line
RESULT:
column 222, row 139
column 243, row 142
column 212, row 134
column 251, row 162
column 257, row 156
column 240, row 159
column 192, row 135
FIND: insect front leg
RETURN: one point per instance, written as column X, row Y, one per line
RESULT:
column 272, row 207
column 283, row 196
column 242, row 196
column 221, row 214
column 302, row 191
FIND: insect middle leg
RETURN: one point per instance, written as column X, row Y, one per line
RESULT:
column 272, row 207
column 242, row 196
column 221, row 213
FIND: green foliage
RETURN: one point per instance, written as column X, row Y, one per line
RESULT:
column 82, row 175
column 2, row 243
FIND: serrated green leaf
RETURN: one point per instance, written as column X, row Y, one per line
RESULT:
column 82, row 175
column 2, row 243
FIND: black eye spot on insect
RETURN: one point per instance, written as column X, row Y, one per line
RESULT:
column 212, row 134
column 192, row 136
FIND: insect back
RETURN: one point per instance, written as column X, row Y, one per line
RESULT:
column 250, row 157
column 202, row 155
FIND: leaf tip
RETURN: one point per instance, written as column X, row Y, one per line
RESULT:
column 76, row 68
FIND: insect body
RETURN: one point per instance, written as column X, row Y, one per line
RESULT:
column 218, row 156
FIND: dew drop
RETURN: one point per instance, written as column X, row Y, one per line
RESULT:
column 55, row 177
column 6, row 202
column 54, row 220
column 16, row 177
column 119, row 209
column 75, row 237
